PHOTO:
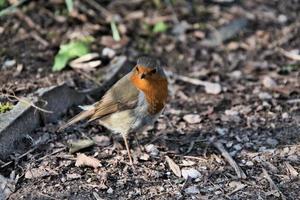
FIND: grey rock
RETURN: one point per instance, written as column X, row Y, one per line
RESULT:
column 272, row 142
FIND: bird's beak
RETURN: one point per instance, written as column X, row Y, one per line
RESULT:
column 142, row 76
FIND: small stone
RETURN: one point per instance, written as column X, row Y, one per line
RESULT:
column 236, row 74
column 233, row 153
column 110, row 190
column 264, row 96
column 152, row 150
column 231, row 113
column 221, row 131
column 285, row 115
column 249, row 163
column 293, row 158
column 144, row 157
column 272, row 142
column 268, row 82
column 192, row 118
column 229, row 144
column 282, row 19
column 248, row 144
column 213, row 88
column 262, row 149
column 190, row 172
column 108, row 52
column 237, row 147
column 8, row 63
column 73, row 176
column 192, row 190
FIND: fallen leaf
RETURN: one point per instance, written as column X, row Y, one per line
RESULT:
column 69, row 51
column 39, row 172
column 160, row 27
column 173, row 166
column 82, row 160
column 86, row 62
column 190, row 172
column 144, row 157
column 291, row 170
column 192, row 118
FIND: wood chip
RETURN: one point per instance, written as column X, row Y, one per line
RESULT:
column 82, row 160
column 291, row 170
column 173, row 166
column 290, row 54
column 210, row 88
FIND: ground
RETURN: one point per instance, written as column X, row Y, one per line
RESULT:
column 243, row 46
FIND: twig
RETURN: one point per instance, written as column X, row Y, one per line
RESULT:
column 289, row 55
column 97, row 197
column 21, row 156
column 36, row 29
column 104, row 12
column 293, row 101
column 54, row 152
column 26, row 102
column 211, row 88
column 285, row 36
column 272, row 184
column 230, row 160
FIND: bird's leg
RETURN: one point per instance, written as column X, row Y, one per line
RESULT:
column 127, row 148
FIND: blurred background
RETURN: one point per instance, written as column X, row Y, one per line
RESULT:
column 234, row 68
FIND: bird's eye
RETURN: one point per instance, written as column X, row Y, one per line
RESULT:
column 153, row 71
column 137, row 69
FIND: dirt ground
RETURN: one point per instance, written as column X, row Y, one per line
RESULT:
column 248, row 48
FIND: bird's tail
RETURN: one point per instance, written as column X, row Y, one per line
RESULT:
column 83, row 115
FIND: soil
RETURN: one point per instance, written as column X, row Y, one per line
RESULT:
column 255, row 117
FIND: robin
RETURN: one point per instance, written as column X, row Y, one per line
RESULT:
column 132, row 103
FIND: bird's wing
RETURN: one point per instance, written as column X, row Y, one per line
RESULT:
column 122, row 95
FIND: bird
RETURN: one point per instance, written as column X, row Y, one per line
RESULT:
column 133, row 103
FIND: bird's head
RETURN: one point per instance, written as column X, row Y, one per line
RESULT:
column 148, row 73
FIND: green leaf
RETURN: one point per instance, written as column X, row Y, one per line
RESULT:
column 2, row 3
column 115, row 32
column 160, row 27
column 69, row 51
column 70, row 5
column 4, row 107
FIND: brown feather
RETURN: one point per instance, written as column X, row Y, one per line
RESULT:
column 83, row 115
column 123, row 95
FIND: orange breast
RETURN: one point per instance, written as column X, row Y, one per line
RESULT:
column 155, row 89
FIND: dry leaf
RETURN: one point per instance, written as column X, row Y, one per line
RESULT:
column 192, row 118
column 83, row 160
column 291, row 170
column 173, row 166
column 39, row 172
